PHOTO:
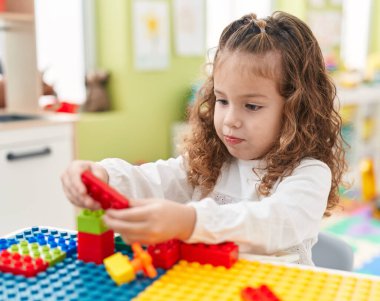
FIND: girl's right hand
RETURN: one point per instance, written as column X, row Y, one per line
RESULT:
column 73, row 186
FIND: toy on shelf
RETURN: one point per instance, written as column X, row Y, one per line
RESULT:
column 368, row 179
column 262, row 293
column 376, row 209
column 122, row 270
column 103, row 193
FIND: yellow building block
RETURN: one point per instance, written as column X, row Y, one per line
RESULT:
column 119, row 268
column 368, row 179
column 192, row 281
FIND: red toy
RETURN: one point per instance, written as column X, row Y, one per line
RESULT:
column 262, row 293
column 95, row 247
column 224, row 254
column 165, row 254
column 103, row 193
column 21, row 265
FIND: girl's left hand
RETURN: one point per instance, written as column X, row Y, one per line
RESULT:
column 151, row 221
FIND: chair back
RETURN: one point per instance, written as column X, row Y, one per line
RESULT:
column 332, row 252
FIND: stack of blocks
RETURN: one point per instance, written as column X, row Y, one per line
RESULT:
column 95, row 240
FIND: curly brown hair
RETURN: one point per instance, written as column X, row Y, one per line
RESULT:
column 311, row 126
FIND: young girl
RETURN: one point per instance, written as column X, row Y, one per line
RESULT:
column 262, row 163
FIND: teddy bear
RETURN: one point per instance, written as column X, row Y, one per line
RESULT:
column 96, row 94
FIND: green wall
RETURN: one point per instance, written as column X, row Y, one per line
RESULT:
column 294, row 7
column 374, row 45
column 144, row 104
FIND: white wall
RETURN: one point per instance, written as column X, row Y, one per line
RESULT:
column 60, row 46
column 221, row 12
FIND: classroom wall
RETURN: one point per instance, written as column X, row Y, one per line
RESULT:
column 298, row 8
column 295, row 7
column 144, row 104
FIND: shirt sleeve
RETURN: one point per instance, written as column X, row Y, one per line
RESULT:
column 284, row 219
column 160, row 179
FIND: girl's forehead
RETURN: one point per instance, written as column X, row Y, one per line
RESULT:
column 268, row 65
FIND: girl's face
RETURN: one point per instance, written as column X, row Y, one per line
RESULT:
column 248, row 109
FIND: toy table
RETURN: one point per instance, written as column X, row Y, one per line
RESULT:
column 73, row 279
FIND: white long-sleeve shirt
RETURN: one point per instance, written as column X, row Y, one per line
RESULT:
column 284, row 223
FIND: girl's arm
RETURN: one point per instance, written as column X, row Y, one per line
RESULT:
column 284, row 219
column 160, row 179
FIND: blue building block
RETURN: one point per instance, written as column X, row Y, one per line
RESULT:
column 68, row 280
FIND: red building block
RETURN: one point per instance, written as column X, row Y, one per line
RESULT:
column 21, row 265
column 262, row 293
column 103, row 193
column 165, row 254
column 95, row 247
column 224, row 254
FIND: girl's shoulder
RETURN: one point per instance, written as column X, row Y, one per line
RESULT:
column 308, row 161
column 314, row 167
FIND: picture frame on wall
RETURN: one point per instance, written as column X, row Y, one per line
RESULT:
column 151, row 39
column 189, row 27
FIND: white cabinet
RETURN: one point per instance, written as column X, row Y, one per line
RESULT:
column 19, row 56
column 31, row 162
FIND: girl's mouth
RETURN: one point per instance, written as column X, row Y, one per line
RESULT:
column 232, row 140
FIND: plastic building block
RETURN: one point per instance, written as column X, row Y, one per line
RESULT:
column 73, row 279
column 89, row 221
column 122, row 270
column 290, row 283
column 143, row 261
column 119, row 268
column 35, row 250
column 3, row 244
column 94, row 247
column 120, row 245
column 21, row 264
column 103, row 193
column 69, row 280
column 224, row 254
column 166, row 254
column 262, row 293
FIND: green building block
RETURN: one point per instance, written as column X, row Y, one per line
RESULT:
column 51, row 256
column 89, row 221
column 121, row 246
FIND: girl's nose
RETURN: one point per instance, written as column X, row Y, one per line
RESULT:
column 232, row 118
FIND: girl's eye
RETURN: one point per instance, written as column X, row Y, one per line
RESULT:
column 222, row 101
column 253, row 107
